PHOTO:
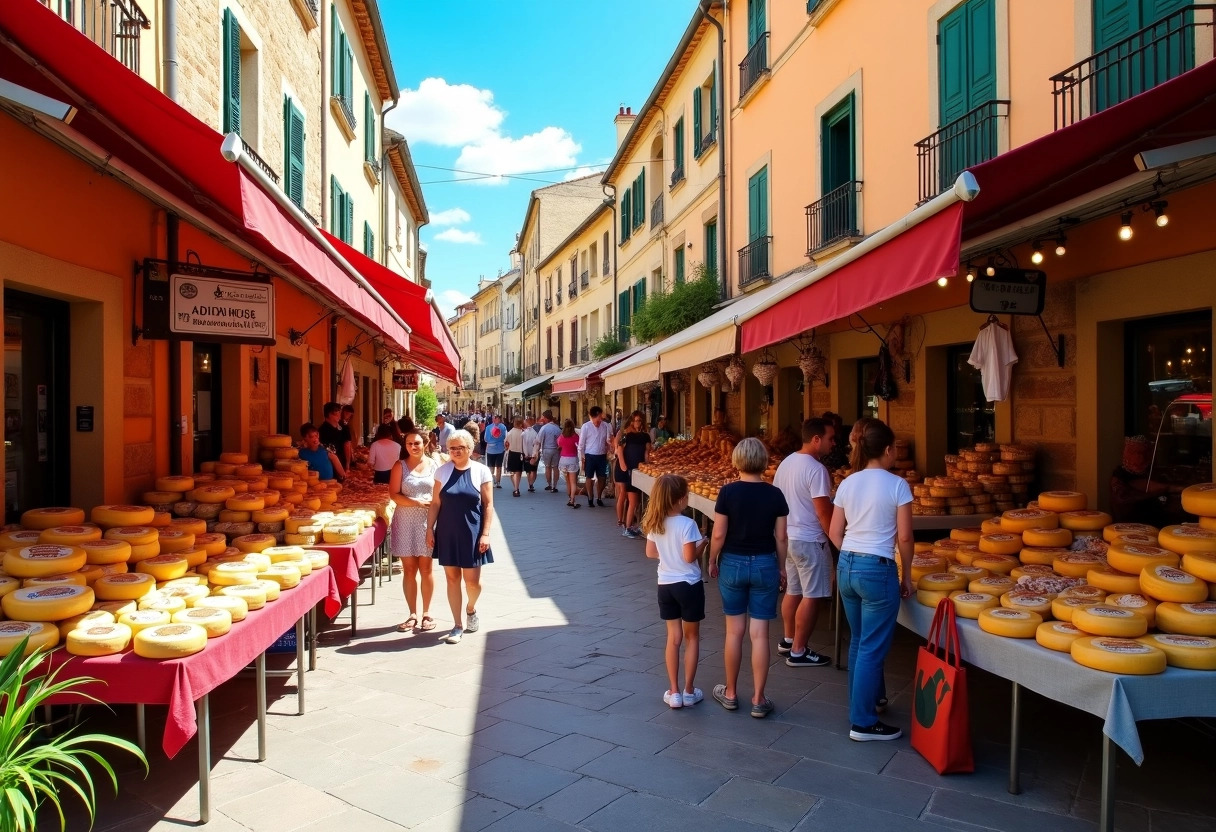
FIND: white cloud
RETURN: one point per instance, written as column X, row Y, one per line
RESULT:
column 450, row 216
column 549, row 148
column 450, row 115
column 581, row 171
column 456, row 235
column 449, row 299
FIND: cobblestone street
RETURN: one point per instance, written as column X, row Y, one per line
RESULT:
column 551, row 717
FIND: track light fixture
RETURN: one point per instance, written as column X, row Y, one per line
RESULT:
column 1125, row 226
column 1061, row 245
column 991, row 270
column 1159, row 207
column 1037, row 256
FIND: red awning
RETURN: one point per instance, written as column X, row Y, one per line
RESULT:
column 140, row 126
column 918, row 256
column 570, row 385
column 430, row 344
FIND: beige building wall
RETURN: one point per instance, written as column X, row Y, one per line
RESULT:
column 464, row 329
column 488, row 299
column 582, row 254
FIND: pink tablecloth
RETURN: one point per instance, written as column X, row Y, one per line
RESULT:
column 347, row 559
column 130, row 679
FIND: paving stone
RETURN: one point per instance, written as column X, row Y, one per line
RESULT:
column 661, row 776
column 437, row 754
column 885, row 793
column 579, row 800
column 470, row 816
column 401, row 796
column 761, row 803
column 982, row 811
column 522, row 821
column 350, row 820
column 838, row 749
column 286, row 805
column 709, row 718
column 837, row 816
column 571, row 751
column 563, row 718
column 734, row 758
column 641, row 811
column 517, row 781
column 513, row 738
column 986, row 781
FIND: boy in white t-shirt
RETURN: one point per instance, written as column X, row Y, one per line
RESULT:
column 676, row 542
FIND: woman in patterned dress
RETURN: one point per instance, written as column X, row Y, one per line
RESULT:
column 411, row 484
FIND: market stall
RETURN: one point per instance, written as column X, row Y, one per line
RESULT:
column 347, row 561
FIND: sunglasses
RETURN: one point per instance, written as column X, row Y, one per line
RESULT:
column 452, row 449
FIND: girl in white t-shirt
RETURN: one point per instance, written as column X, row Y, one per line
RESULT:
column 676, row 542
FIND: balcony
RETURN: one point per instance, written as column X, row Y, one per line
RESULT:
column 677, row 176
column 656, row 212
column 532, row 370
column 754, row 65
column 754, row 261
column 548, row 304
column 833, row 218
column 344, row 114
column 572, row 289
column 489, row 326
column 607, row 270
column 549, row 364
column 561, row 359
column 512, row 325
column 961, row 144
column 115, row 29
column 1151, row 56
column 573, row 356
column 702, row 144
column 584, row 279
column 371, row 168
column 584, row 353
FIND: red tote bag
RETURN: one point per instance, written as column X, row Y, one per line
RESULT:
column 941, row 717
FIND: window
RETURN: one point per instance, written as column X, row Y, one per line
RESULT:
column 293, row 152
column 369, row 129
column 624, row 307
column 341, row 212
column 711, row 246
column 342, row 64
column 705, row 114
column 757, row 24
column 593, row 260
column 639, row 200
column 677, row 141
column 626, row 216
column 677, row 265
column 606, row 271
column 369, row 240
column 232, row 73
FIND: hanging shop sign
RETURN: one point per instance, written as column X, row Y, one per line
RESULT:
column 405, row 379
column 198, row 303
column 1009, row 292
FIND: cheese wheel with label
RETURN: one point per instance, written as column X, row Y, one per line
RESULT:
column 189, row 594
column 1132, row 559
column 273, row 590
column 8, row 585
column 98, row 639
column 286, row 576
column 1190, row 652
column 115, row 516
column 129, row 586
column 233, row 573
column 79, row 579
column 86, row 619
column 1112, row 580
column 210, row 494
column 1165, row 583
column 46, row 518
column 179, row 484
column 1019, row 520
column 1001, row 621
column 921, row 566
column 212, row 543
column 43, row 559
column 1118, row 655
column 967, row 534
column 245, row 502
column 341, row 534
column 174, row 540
column 1043, row 556
column 1201, row 565
column 316, row 559
column 1047, row 538
column 102, row 552
column 996, row 564
column 1031, row 570
column 1188, row 619
column 1136, row 539
column 1084, row 521
column 1141, row 604
column 139, row 620
column 993, row 585
column 252, row 594
column 1076, row 564
column 1187, row 538
column 278, row 554
column 1063, row 608
column 1057, row 635
column 931, row 597
column 164, row 603
column 1104, row 620
column 276, row 514
column 70, row 535
column 966, row 554
column 19, row 538
column 1117, row 530
column 1002, row 543
column 164, row 567
column 133, row 535
column 235, row 607
column 1085, row 592
column 971, row 604
column 254, row 542
column 170, row 641
column 1061, row 501
column 215, row 621
column 47, row 603
column 970, row 573
column 1030, row 601
column 42, row 636
column 276, row 440
column 1200, row 499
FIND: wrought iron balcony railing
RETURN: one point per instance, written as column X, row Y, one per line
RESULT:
column 702, row 144
column 532, row 370
column 584, row 352
column 656, row 212
column 833, row 217
column 573, row 355
column 584, row 279
column 754, row 261
column 347, row 109
column 114, row 25
column 572, row 289
column 548, row 364
column 961, row 144
column 677, row 176
column 754, row 65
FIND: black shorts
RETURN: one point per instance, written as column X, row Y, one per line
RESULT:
column 621, row 475
column 515, row 462
column 530, row 466
column 683, row 601
column 494, row 460
column 381, row 476
column 596, row 466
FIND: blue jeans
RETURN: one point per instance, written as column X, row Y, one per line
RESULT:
column 869, row 590
column 749, row 584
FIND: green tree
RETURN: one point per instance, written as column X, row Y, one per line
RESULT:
column 426, row 406
column 607, row 345
column 668, row 312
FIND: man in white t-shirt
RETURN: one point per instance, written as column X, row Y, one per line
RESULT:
column 807, row 487
column 531, row 448
column 594, row 443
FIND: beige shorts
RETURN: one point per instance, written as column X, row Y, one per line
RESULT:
column 808, row 569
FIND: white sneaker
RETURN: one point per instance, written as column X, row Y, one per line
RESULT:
column 454, row 636
column 692, row 698
column 673, row 700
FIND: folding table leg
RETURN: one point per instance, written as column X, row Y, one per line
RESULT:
column 1106, row 805
column 354, row 611
column 312, row 642
column 141, row 728
column 260, row 665
column 1015, row 739
column 300, row 665
column 375, row 574
column 204, row 759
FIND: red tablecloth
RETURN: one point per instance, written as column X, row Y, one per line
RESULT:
column 179, row 683
column 346, row 559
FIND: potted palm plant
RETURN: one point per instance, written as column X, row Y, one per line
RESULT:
column 34, row 771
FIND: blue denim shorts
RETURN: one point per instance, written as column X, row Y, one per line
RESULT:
column 748, row 584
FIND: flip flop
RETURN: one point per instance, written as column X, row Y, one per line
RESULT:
column 405, row 626
column 427, row 624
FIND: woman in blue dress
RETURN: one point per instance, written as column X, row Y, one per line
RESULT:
column 458, row 530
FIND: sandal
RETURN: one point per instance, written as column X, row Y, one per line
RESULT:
column 427, row 624
column 515, row 493
column 408, row 624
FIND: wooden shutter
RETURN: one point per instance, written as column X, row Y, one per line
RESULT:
column 349, row 236
column 966, row 59
column 335, row 52
column 678, row 266
column 624, row 309
column 293, row 146
column 697, row 132
column 348, row 72
column 713, row 98
column 369, row 129
column 626, row 215
column 369, row 240
column 232, row 73
column 711, row 246
column 756, row 24
column 757, row 205
column 334, row 226
column 677, row 139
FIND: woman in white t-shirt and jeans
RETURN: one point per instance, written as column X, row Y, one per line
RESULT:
column 873, row 516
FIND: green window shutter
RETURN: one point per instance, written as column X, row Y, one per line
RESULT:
column 349, row 236
column 369, row 130
column 624, row 309
column 639, row 200
column 713, row 98
column 626, row 215
column 232, row 73
column 698, row 132
column 369, row 240
column 335, row 43
column 678, row 265
column 966, row 56
column 837, row 134
column 756, row 24
column 334, row 227
column 677, row 139
column 757, row 205
column 293, row 146
column 348, row 72
column 711, row 246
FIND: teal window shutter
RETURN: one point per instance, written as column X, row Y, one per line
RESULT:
column 713, row 98
column 335, row 227
column 232, row 73
column 335, row 50
column 349, row 236
column 757, row 205
column 369, row 128
column 369, row 240
column 756, row 24
column 678, row 265
column 639, row 200
column 624, row 309
column 697, row 132
column 711, row 245
column 966, row 59
column 677, row 139
column 626, row 215
column 348, row 72
column 293, row 145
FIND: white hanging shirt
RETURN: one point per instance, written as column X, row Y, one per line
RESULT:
column 994, row 356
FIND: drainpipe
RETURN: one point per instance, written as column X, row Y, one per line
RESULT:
column 177, row 418
column 615, row 324
column 722, row 238
column 333, row 358
column 324, row 118
column 169, row 62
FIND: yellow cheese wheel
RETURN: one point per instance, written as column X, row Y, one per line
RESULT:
column 139, row 620
column 296, row 520
column 161, row 520
column 1191, row 652
column 122, row 515
column 1085, row 592
column 8, row 585
column 996, row 564
column 970, row 573
column 1207, row 523
column 254, row 542
column 1077, row 564
column 1135, row 539
column 245, row 502
column 188, row 593
column 215, row 621
column 1042, row 556
column 1165, row 583
column 273, row 590
column 1200, row 499
column 178, row 483
column 19, row 538
column 1189, row 619
column 967, row 534
column 47, row 603
column 286, row 453
column 1002, row 543
column 930, row 597
column 971, row 604
column 233, row 573
column 143, row 552
column 276, row 440
column 189, row 525
column 212, row 543
column 43, row 559
column 1118, row 655
column 1032, row 570
column 1063, row 608
column 992, row 585
column 210, row 494
column 924, row 565
column 163, row 603
column 966, row 554
column 1057, row 635
column 259, row 560
column 1061, row 501
column 1084, row 521
column 316, row 559
column 303, row 564
column 235, row 607
column 1019, row 520
column 309, row 539
column 269, row 497
column 130, row 586
column 1135, row 602
column 78, row 579
column 172, row 540
column 287, row 576
column 41, row 635
column 341, row 534
column 252, row 594
column 1002, row 621
column 170, row 641
column 194, row 557
column 230, row 516
column 1201, row 565
column 238, row 486
column 277, row 514
column 46, row 518
column 70, row 535
column 1117, row 530
column 116, row 608
column 1132, row 559
column 164, row 567
column 249, row 470
column 1187, row 538
column 101, row 552
column 234, row 458
column 133, row 535
column 1047, row 538
column 1104, row 620
column 85, row 619
column 292, row 499
column 1035, row 602
column 990, row 526
column 282, row 553
column 98, row 639
column 1112, row 580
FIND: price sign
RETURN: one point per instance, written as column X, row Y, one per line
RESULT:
column 1009, row 292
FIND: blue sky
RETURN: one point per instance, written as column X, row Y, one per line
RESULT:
column 514, row 87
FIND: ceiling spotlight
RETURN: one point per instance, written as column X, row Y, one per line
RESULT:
column 1125, row 226
column 1163, row 219
column 991, row 270
column 970, row 272
column 1061, row 245
column 1037, row 257
column 942, row 281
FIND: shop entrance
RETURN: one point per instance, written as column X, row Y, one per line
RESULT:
column 867, row 400
column 970, row 417
column 208, row 405
column 37, row 464
column 282, row 393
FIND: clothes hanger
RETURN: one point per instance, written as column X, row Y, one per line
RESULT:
column 992, row 319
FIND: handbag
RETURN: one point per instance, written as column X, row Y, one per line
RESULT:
column 941, row 716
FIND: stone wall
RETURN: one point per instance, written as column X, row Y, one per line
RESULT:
column 139, row 417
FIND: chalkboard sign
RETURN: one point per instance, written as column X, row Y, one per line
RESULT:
column 1009, row 292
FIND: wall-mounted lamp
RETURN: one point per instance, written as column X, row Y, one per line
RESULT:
column 991, row 270
column 1159, row 207
column 1125, row 226
column 970, row 273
